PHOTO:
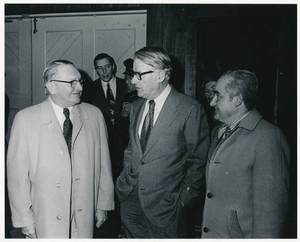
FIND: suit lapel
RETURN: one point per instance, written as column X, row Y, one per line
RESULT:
column 102, row 101
column 119, row 94
column 137, row 120
column 165, row 118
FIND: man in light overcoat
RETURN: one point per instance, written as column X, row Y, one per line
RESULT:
column 59, row 185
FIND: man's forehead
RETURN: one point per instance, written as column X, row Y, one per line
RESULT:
column 210, row 84
column 102, row 62
column 68, row 71
column 139, row 63
column 221, row 83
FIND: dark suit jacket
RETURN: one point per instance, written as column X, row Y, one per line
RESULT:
column 172, row 167
column 101, row 102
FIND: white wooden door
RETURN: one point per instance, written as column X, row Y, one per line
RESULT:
column 17, row 66
column 80, row 39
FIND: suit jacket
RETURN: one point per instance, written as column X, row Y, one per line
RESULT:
column 247, row 181
column 172, row 167
column 42, row 177
column 99, row 100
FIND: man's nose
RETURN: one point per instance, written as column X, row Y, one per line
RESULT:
column 134, row 80
column 213, row 101
column 79, row 86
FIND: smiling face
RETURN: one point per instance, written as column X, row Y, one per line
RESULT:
column 209, row 90
column 105, row 69
column 62, row 94
column 225, row 109
column 149, row 87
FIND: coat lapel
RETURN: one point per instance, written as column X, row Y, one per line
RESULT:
column 78, row 115
column 49, row 118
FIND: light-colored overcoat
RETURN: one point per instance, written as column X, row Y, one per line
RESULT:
column 172, row 168
column 247, row 181
column 42, row 178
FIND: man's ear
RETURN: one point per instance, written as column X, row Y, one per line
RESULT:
column 51, row 87
column 161, row 75
column 239, row 100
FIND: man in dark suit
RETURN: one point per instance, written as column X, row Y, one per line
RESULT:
column 164, row 164
column 108, row 95
column 109, row 90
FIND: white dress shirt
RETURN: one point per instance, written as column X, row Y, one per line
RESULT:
column 59, row 113
column 112, row 84
column 159, row 102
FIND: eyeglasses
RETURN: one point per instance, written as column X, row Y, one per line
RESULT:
column 72, row 83
column 139, row 75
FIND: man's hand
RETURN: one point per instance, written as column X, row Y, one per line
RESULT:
column 29, row 232
column 101, row 217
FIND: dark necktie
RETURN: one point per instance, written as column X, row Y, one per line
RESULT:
column 147, row 125
column 110, row 99
column 67, row 129
column 225, row 134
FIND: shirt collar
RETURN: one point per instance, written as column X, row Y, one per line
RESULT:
column 59, row 110
column 111, row 82
column 163, row 96
column 232, row 125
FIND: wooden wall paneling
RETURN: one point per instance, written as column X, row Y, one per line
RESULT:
column 169, row 24
column 155, row 19
column 191, row 58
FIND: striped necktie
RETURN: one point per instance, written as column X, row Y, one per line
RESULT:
column 110, row 99
column 67, row 129
column 147, row 125
column 225, row 133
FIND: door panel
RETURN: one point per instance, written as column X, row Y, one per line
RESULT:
column 80, row 39
column 17, row 66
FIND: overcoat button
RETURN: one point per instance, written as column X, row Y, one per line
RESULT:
column 205, row 229
column 61, row 152
column 58, row 217
column 209, row 195
column 58, row 185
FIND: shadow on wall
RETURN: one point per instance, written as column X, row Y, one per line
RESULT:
column 88, row 88
column 178, row 74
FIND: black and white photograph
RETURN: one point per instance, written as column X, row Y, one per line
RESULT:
column 149, row 120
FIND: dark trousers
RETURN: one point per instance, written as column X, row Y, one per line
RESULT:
column 137, row 225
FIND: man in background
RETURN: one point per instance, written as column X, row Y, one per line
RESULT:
column 59, row 171
column 109, row 90
column 107, row 96
column 164, row 164
column 247, row 173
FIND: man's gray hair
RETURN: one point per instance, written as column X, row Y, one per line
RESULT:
column 245, row 83
column 51, row 70
column 156, row 57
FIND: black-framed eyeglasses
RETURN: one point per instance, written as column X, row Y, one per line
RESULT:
column 139, row 75
column 72, row 83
